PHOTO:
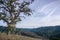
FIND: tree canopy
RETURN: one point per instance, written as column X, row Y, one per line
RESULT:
column 11, row 10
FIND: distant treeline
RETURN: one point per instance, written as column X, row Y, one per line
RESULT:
column 51, row 32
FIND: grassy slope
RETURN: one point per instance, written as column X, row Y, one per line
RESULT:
column 3, row 36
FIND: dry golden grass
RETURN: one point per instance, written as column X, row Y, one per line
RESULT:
column 4, row 36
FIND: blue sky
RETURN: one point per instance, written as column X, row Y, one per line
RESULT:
column 46, row 13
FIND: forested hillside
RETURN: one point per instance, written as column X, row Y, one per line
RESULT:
column 51, row 32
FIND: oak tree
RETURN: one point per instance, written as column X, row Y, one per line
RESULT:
column 11, row 10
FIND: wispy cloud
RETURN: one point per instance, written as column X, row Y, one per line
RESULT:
column 45, row 15
column 48, row 18
column 49, row 14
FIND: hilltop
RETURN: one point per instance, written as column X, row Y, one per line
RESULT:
column 4, row 36
column 20, row 34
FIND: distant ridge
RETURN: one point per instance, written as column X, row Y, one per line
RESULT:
column 51, row 32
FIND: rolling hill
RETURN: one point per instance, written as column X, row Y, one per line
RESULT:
column 51, row 32
column 3, row 36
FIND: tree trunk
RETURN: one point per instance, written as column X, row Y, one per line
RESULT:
column 11, row 28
